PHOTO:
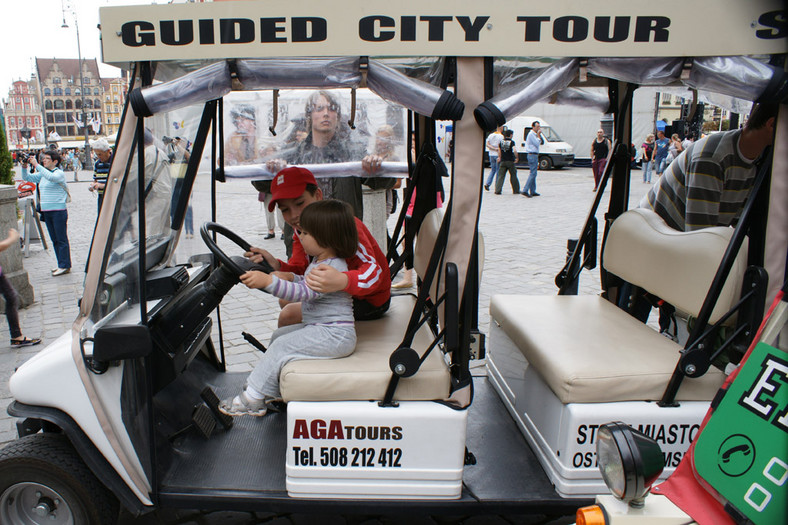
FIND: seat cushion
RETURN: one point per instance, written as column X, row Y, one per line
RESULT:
column 589, row 351
column 678, row 267
column 365, row 374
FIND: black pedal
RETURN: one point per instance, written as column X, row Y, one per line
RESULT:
column 203, row 420
column 212, row 400
column 252, row 340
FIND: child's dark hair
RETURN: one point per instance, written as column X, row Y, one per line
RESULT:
column 332, row 224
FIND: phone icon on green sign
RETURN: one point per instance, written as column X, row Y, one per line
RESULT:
column 743, row 448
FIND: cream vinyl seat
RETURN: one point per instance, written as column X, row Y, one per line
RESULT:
column 365, row 374
column 589, row 351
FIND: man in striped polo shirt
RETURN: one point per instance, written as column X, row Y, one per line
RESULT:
column 708, row 184
column 100, row 168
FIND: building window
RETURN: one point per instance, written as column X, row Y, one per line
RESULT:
column 12, row 122
column 47, row 92
column 60, row 117
column 59, row 104
column 666, row 98
column 58, row 92
column 69, row 104
column 77, row 92
column 95, row 91
column 97, row 103
column 50, row 118
column 56, row 80
column 48, row 104
column 87, row 81
column 68, row 91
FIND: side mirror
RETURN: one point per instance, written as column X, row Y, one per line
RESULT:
column 115, row 343
column 629, row 460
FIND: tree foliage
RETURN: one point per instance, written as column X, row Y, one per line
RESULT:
column 6, row 162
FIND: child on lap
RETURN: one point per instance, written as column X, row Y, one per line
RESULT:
column 328, row 235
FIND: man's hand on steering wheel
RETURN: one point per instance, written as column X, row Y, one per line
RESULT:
column 258, row 255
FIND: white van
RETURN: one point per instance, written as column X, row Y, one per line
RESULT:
column 554, row 152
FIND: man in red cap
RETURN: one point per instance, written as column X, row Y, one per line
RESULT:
column 367, row 279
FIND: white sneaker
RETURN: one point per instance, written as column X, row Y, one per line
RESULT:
column 243, row 405
column 60, row 271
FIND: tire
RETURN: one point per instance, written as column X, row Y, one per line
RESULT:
column 44, row 481
column 545, row 163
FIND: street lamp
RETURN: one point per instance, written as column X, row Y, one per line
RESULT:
column 25, row 131
column 88, row 165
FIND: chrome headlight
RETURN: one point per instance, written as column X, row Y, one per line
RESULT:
column 629, row 460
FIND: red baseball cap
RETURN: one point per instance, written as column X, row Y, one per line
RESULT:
column 290, row 183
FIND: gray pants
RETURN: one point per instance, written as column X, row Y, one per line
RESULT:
column 296, row 342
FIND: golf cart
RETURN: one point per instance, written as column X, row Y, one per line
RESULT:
column 123, row 409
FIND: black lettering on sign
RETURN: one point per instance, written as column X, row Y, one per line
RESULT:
column 570, row 28
column 408, row 29
column 646, row 25
column 270, row 28
column 472, row 29
column 435, row 26
column 602, row 29
column 368, row 28
column 533, row 27
column 777, row 21
column 236, row 31
column 309, row 29
column 185, row 32
column 137, row 34
column 581, row 434
column 206, row 31
column 760, row 398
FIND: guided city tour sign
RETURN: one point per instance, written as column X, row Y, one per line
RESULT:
column 616, row 28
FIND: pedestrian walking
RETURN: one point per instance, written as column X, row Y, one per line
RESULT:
column 600, row 148
column 647, row 163
column 492, row 142
column 532, row 143
column 12, row 298
column 507, row 153
column 100, row 168
column 661, row 152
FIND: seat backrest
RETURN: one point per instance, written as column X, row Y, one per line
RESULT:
column 425, row 241
column 676, row 266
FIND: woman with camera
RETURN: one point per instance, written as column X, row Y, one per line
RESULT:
column 53, row 195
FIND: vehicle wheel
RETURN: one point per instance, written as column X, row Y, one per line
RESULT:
column 44, row 481
column 545, row 163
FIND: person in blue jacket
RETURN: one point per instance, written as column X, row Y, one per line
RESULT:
column 53, row 194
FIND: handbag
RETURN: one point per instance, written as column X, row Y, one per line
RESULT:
column 68, row 193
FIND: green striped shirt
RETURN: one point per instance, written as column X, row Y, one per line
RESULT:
column 705, row 186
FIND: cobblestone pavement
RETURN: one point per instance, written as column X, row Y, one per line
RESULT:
column 525, row 246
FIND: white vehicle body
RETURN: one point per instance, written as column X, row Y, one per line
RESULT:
column 136, row 395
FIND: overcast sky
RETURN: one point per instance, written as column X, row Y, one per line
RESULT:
column 32, row 28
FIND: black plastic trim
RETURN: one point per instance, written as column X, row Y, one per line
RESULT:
column 86, row 450
column 448, row 107
column 488, row 116
column 262, row 501
column 138, row 103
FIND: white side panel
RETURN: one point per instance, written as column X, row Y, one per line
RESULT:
column 357, row 449
column 563, row 437
column 50, row 379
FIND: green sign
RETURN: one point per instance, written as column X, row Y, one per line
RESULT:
column 743, row 451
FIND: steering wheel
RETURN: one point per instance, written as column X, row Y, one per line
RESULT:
column 234, row 264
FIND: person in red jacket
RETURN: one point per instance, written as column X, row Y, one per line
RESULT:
column 367, row 280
